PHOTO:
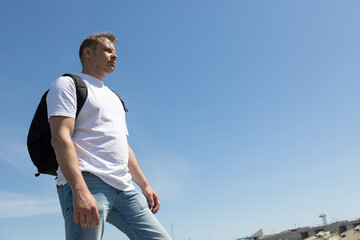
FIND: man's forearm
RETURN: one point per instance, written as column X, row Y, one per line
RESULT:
column 135, row 171
column 69, row 164
column 139, row 178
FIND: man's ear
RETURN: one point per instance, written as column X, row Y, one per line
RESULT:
column 87, row 52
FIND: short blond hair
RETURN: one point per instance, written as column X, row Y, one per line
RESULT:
column 92, row 41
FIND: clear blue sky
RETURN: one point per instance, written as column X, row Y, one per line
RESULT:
column 243, row 114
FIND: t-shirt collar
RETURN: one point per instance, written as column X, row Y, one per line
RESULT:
column 93, row 80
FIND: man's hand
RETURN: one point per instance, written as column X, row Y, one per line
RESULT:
column 85, row 209
column 152, row 199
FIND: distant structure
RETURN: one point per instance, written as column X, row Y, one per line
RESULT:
column 302, row 233
column 254, row 236
column 323, row 217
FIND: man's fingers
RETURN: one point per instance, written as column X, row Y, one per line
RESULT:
column 153, row 203
column 83, row 221
column 156, row 204
column 96, row 217
column 76, row 217
column 156, row 208
column 150, row 201
column 89, row 221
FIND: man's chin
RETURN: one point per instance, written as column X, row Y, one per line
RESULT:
column 109, row 70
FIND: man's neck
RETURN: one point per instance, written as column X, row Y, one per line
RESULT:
column 94, row 74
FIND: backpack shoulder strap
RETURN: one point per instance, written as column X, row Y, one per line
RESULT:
column 123, row 103
column 81, row 91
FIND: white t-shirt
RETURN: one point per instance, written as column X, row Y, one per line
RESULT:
column 100, row 133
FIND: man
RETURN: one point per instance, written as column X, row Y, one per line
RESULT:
column 96, row 164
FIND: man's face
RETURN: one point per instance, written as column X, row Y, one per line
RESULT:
column 104, row 56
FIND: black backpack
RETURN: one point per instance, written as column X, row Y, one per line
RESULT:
column 39, row 145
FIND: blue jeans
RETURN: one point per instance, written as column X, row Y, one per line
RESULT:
column 126, row 210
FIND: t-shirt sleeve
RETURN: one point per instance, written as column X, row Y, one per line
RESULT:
column 61, row 98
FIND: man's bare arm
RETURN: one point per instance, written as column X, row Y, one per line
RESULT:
column 85, row 206
column 139, row 178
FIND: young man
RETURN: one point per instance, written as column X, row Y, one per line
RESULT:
column 96, row 164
